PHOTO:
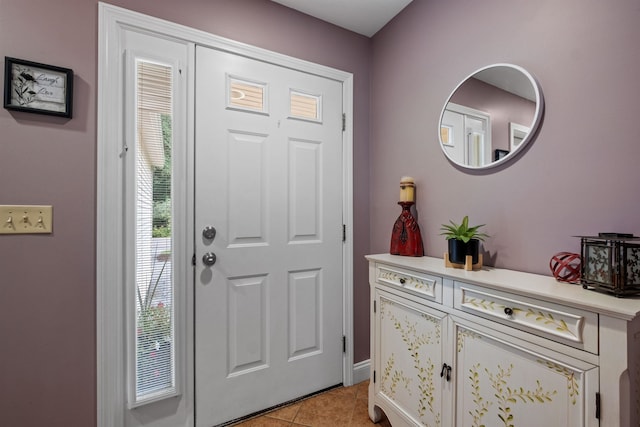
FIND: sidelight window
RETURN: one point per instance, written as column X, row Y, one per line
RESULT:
column 154, row 315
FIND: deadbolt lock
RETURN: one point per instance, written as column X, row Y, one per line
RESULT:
column 209, row 232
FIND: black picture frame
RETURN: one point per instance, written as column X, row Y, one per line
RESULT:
column 33, row 87
column 499, row 154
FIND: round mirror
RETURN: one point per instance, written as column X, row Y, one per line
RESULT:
column 490, row 116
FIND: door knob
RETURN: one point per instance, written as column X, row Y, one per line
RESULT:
column 209, row 259
column 209, row 232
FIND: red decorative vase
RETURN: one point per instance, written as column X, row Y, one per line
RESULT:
column 405, row 237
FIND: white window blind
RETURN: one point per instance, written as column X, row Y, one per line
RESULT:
column 154, row 293
column 246, row 95
column 304, row 106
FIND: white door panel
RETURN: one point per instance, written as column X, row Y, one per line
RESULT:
column 269, row 311
column 468, row 135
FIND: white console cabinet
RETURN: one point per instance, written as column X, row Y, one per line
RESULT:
column 497, row 347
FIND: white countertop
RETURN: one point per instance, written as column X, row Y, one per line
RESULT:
column 528, row 284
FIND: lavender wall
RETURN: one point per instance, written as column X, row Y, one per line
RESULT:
column 47, row 282
column 583, row 52
column 579, row 176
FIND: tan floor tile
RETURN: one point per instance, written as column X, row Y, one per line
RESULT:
column 326, row 419
column 264, row 422
column 287, row 413
column 328, row 403
column 339, row 407
column 362, row 390
column 360, row 415
column 343, row 392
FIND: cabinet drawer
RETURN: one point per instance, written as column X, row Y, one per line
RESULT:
column 424, row 285
column 574, row 327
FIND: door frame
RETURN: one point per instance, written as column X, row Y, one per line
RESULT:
column 110, row 307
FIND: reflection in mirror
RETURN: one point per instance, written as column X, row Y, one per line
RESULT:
column 493, row 111
column 517, row 134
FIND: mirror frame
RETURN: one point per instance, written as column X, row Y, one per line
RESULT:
column 537, row 117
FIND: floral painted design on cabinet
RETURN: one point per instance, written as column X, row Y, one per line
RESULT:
column 411, row 353
column 506, row 397
column 539, row 316
column 572, row 384
column 507, row 386
column 420, row 284
column 395, row 277
column 558, row 323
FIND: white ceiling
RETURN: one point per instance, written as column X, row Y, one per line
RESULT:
column 364, row 17
column 510, row 80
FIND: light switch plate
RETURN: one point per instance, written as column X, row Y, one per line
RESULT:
column 26, row 219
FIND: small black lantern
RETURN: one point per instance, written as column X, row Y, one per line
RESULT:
column 611, row 263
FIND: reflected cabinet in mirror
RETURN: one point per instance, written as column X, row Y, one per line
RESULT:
column 490, row 116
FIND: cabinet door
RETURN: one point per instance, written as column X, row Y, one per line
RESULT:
column 505, row 382
column 408, row 360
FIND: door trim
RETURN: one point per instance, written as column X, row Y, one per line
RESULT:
column 110, row 337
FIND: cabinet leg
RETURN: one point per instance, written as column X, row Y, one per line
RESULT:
column 375, row 414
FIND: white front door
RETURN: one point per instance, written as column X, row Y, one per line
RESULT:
column 466, row 135
column 269, row 179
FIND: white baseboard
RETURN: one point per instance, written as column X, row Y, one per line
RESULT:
column 361, row 371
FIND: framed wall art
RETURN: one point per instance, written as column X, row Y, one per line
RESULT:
column 37, row 88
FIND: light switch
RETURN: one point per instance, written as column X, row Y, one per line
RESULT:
column 26, row 219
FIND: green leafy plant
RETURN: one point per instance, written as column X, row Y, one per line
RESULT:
column 462, row 231
column 162, row 231
column 154, row 320
column 154, row 326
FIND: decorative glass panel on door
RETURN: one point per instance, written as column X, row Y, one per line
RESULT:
column 247, row 95
column 305, row 106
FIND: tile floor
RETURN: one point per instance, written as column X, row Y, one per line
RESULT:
column 344, row 406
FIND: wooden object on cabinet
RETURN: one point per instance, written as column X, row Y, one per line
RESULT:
column 512, row 322
column 468, row 262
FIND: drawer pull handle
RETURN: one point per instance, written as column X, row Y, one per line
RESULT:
column 402, row 281
column 508, row 311
column 446, row 370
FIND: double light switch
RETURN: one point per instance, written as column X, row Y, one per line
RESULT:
column 26, row 219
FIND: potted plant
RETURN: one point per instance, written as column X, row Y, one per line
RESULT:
column 463, row 240
column 154, row 348
column 153, row 336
